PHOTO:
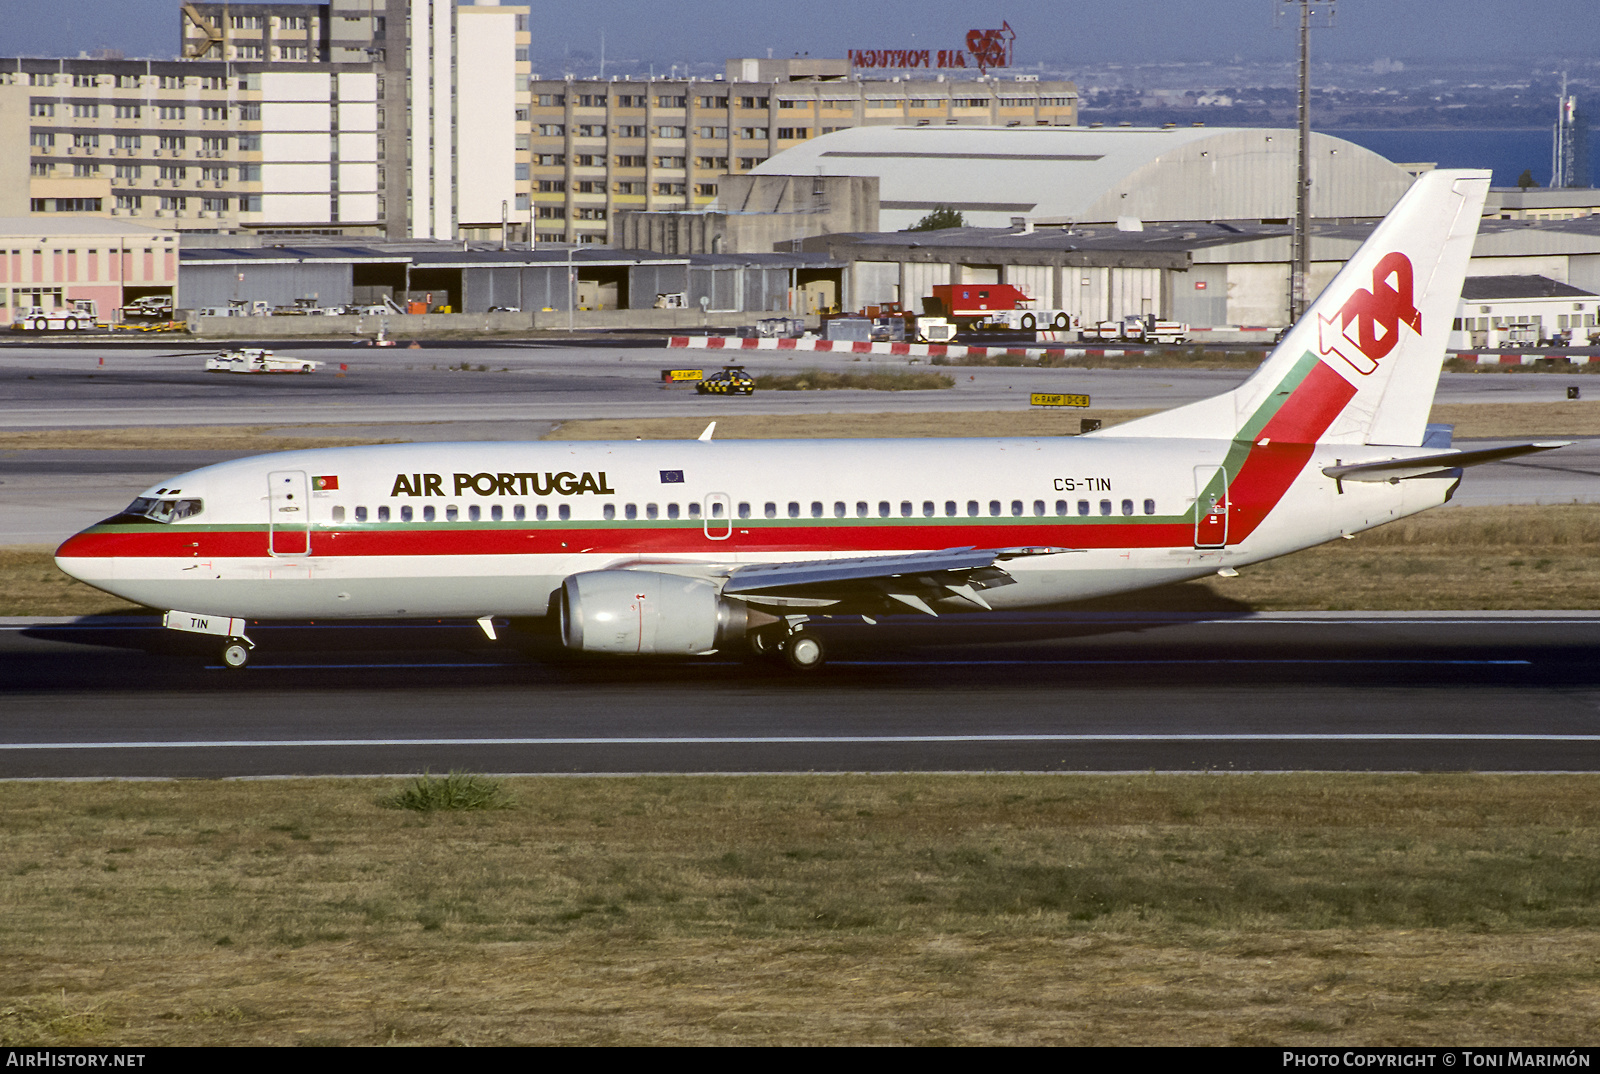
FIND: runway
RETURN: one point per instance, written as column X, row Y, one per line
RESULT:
column 1040, row 692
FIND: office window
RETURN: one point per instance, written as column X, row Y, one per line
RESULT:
column 41, row 109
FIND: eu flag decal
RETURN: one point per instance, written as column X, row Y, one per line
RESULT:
column 325, row 484
column 672, row 477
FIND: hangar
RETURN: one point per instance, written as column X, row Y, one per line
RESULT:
column 1079, row 175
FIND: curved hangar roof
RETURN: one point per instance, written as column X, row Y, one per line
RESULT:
column 1088, row 174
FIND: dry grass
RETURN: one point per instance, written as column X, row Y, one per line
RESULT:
column 175, row 437
column 841, row 910
column 1054, row 421
column 1458, row 558
column 1564, row 418
column 878, row 380
column 30, row 584
column 1479, row 420
column 1536, row 558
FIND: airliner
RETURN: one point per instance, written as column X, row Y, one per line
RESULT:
column 701, row 546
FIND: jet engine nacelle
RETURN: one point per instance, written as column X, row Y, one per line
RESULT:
column 648, row 612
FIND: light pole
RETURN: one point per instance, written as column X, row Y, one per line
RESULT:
column 1300, row 239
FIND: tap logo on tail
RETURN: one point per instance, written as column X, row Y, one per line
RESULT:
column 1367, row 326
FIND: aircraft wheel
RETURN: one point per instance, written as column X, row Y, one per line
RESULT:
column 235, row 655
column 764, row 644
column 1060, row 322
column 804, row 652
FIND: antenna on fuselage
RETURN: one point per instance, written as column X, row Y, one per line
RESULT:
column 706, row 436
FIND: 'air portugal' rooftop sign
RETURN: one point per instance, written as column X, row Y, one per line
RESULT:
column 985, row 49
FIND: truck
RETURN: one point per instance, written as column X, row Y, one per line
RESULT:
column 1134, row 329
column 80, row 318
column 993, row 307
column 149, row 308
column 258, row 361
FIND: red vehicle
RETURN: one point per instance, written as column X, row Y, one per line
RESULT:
column 993, row 307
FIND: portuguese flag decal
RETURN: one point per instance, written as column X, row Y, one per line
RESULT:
column 324, row 484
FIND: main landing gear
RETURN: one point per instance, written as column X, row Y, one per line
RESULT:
column 801, row 649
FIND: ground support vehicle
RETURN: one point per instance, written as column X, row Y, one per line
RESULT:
column 1139, row 330
column 39, row 319
column 732, row 380
column 258, row 361
column 994, row 307
column 149, row 308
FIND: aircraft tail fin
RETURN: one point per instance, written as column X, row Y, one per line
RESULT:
column 1362, row 364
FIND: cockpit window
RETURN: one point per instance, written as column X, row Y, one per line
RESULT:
column 161, row 509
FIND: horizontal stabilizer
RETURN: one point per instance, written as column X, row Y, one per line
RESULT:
column 1425, row 465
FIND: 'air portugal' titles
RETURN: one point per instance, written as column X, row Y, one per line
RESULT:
column 486, row 484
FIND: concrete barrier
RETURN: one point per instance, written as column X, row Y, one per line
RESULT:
column 436, row 325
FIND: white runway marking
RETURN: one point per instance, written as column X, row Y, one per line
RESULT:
column 788, row 740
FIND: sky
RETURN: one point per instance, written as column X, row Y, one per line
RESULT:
column 1055, row 32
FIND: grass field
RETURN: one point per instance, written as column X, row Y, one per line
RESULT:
column 838, row 909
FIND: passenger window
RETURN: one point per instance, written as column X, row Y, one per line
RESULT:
column 838, row 509
column 361, row 514
column 883, row 508
column 861, row 509
column 770, row 510
column 744, row 510
column 564, row 512
column 718, row 508
column 1038, row 508
column 1127, row 507
column 1061, row 507
column 520, row 513
column 1149, row 507
column 338, row 514
column 609, row 512
column 1016, row 508
column 694, row 510
column 672, row 510
column 474, row 513
column 451, row 514
column 541, row 513
column 950, row 509
column 631, row 512
column 427, row 513
column 383, row 513
column 496, row 513
column 1105, row 507
column 794, row 509
column 1083, row 507
column 972, row 508
column 651, row 511
column 994, row 508
column 927, row 509
column 405, row 513
column 905, row 508
column 816, row 508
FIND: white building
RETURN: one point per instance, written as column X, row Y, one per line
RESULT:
column 319, row 148
column 1511, row 311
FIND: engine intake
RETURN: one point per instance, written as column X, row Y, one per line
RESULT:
column 647, row 612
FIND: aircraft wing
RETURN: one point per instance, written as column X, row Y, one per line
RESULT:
column 913, row 580
column 1425, row 465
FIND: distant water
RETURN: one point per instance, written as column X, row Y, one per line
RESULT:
column 1508, row 152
